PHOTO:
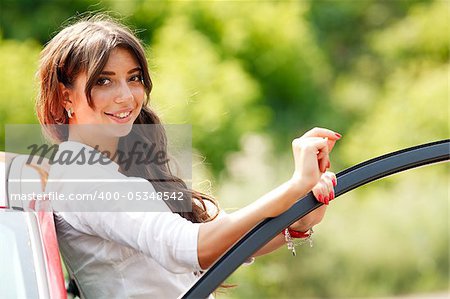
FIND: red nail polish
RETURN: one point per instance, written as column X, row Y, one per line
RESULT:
column 331, row 195
column 334, row 182
column 326, row 199
column 338, row 135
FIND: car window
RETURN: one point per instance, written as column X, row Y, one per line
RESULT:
column 17, row 279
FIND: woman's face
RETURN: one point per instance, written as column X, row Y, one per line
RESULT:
column 117, row 96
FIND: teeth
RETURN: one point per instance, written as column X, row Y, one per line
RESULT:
column 122, row 115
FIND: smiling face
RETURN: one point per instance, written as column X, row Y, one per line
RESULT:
column 117, row 96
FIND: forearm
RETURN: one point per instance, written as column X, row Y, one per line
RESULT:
column 302, row 225
column 216, row 236
column 272, row 245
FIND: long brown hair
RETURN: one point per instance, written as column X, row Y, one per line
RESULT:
column 85, row 46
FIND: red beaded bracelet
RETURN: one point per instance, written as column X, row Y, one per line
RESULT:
column 296, row 234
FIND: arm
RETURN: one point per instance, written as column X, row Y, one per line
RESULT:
column 324, row 188
column 216, row 236
column 272, row 245
column 311, row 160
column 302, row 225
column 324, row 192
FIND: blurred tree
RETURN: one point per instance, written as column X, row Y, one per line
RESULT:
column 365, row 248
column 376, row 71
column 194, row 85
column 39, row 19
column 413, row 103
column 18, row 62
column 275, row 46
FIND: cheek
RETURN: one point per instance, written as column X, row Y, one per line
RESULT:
column 87, row 113
column 139, row 95
column 101, row 101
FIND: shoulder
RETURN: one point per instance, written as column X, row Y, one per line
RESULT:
column 75, row 159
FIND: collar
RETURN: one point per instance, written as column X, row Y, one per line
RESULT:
column 90, row 153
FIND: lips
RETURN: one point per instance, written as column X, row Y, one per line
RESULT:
column 120, row 116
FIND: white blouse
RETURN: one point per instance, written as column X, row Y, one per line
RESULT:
column 122, row 254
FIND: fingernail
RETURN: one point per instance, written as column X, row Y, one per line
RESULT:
column 320, row 197
column 334, row 182
column 326, row 199
column 338, row 135
column 331, row 195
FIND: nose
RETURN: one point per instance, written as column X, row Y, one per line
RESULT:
column 124, row 93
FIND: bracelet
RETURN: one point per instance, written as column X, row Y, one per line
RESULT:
column 297, row 234
column 306, row 236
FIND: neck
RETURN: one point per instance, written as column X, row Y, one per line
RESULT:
column 106, row 145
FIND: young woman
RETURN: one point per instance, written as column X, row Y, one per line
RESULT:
column 95, row 73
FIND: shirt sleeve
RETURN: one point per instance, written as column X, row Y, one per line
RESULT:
column 168, row 238
column 249, row 260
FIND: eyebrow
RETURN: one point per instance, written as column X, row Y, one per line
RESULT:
column 129, row 72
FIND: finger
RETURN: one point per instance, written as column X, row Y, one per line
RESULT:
column 319, row 144
column 324, row 190
column 333, row 177
column 321, row 155
column 330, row 188
column 319, row 191
column 322, row 132
column 323, row 165
column 329, row 179
column 324, row 186
column 331, row 143
column 318, row 195
column 321, row 148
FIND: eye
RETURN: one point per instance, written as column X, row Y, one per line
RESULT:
column 137, row 78
column 103, row 81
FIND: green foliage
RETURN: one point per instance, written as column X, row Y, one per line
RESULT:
column 38, row 19
column 379, row 240
column 18, row 63
column 194, row 85
column 412, row 105
column 249, row 76
column 275, row 46
column 423, row 34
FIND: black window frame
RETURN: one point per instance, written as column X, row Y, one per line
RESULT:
column 349, row 179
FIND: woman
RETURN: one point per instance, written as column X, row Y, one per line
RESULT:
column 95, row 73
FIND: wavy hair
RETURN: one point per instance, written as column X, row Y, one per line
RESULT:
column 85, row 46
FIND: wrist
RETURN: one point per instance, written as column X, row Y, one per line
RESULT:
column 300, row 227
column 300, row 186
column 297, row 234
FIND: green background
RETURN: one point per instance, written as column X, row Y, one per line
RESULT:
column 249, row 77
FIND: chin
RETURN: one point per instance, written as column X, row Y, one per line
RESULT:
column 121, row 130
column 117, row 129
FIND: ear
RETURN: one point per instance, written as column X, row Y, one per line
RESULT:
column 65, row 93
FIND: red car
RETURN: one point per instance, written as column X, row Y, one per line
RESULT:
column 29, row 254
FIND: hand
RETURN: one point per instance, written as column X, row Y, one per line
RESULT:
column 324, row 189
column 324, row 192
column 311, row 155
column 309, row 220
